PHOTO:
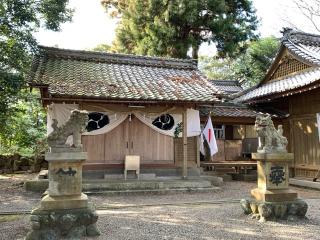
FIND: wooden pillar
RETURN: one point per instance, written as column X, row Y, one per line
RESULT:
column 185, row 145
column 198, row 151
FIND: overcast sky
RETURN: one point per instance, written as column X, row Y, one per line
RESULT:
column 91, row 25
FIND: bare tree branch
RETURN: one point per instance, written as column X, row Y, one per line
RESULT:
column 311, row 10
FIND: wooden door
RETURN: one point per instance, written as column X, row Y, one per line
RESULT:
column 152, row 146
column 130, row 137
column 116, row 144
column 108, row 148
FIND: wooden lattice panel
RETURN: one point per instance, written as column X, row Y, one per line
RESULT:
column 288, row 66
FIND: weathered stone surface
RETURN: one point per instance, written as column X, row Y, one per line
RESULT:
column 270, row 139
column 49, row 234
column 302, row 209
column 64, row 211
column 265, row 210
column 65, row 178
column 272, row 198
column 36, row 185
column 245, row 205
column 70, row 224
column 74, row 126
column 280, row 210
column 76, row 232
column 291, row 210
column 92, row 230
column 64, row 202
column 274, row 195
column 292, row 218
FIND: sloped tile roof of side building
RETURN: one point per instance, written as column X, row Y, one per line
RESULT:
column 295, row 69
column 229, row 109
column 119, row 77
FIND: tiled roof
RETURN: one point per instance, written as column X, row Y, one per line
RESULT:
column 302, row 79
column 304, row 47
column 234, row 110
column 85, row 74
column 227, row 86
column 229, row 110
column 223, row 111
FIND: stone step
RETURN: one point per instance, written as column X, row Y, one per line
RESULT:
column 118, row 185
column 307, row 183
column 142, row 176
column 161, row 183
column 153, row 191
column 159, row 172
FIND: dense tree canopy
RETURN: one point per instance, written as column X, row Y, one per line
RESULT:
column 24, row 125
column 249, row 67
column 19, row 19
column 216, row 68
column 170, row 28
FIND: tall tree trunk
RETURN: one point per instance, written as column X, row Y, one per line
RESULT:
column 195, row 50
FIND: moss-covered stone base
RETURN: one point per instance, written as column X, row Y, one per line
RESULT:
column 63, row 224
column 272, row 211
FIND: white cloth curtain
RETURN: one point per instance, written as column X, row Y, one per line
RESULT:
column 193, row 122
column 147, row 119
column 115, row 120
column 62, row 113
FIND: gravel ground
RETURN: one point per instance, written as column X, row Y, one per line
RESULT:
column 228, row 191
column 12, row 194
column 192, row 221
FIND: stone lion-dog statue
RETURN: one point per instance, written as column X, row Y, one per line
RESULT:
column 74, row 126
column 270, row 139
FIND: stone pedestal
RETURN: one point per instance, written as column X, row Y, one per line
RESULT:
column 65, row 211
column 273, row 199
column 273, row 177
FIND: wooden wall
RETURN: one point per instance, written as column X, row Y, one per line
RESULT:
column 193, row 151
column 220, row 155
column 301, row 130
column 304, row 139
column 228, row 150
column 244, row 131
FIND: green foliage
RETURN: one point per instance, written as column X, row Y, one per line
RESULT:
column 19, row 19
column 102, row 48
column 216, row 68
column 248, row 68
column 178, row 129
column 251, row 67
column 24, row 126
column 170, row 28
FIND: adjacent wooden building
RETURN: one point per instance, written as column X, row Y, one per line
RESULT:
column 233, row 124
column 292, row 86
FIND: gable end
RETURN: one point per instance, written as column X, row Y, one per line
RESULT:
column 288, row 65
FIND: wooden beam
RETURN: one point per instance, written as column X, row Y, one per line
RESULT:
column 189, row 103
column 185, row 145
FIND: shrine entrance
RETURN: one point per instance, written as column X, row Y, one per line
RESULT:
column 131, row 137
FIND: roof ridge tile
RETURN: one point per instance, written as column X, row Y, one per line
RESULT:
column 129, row 59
